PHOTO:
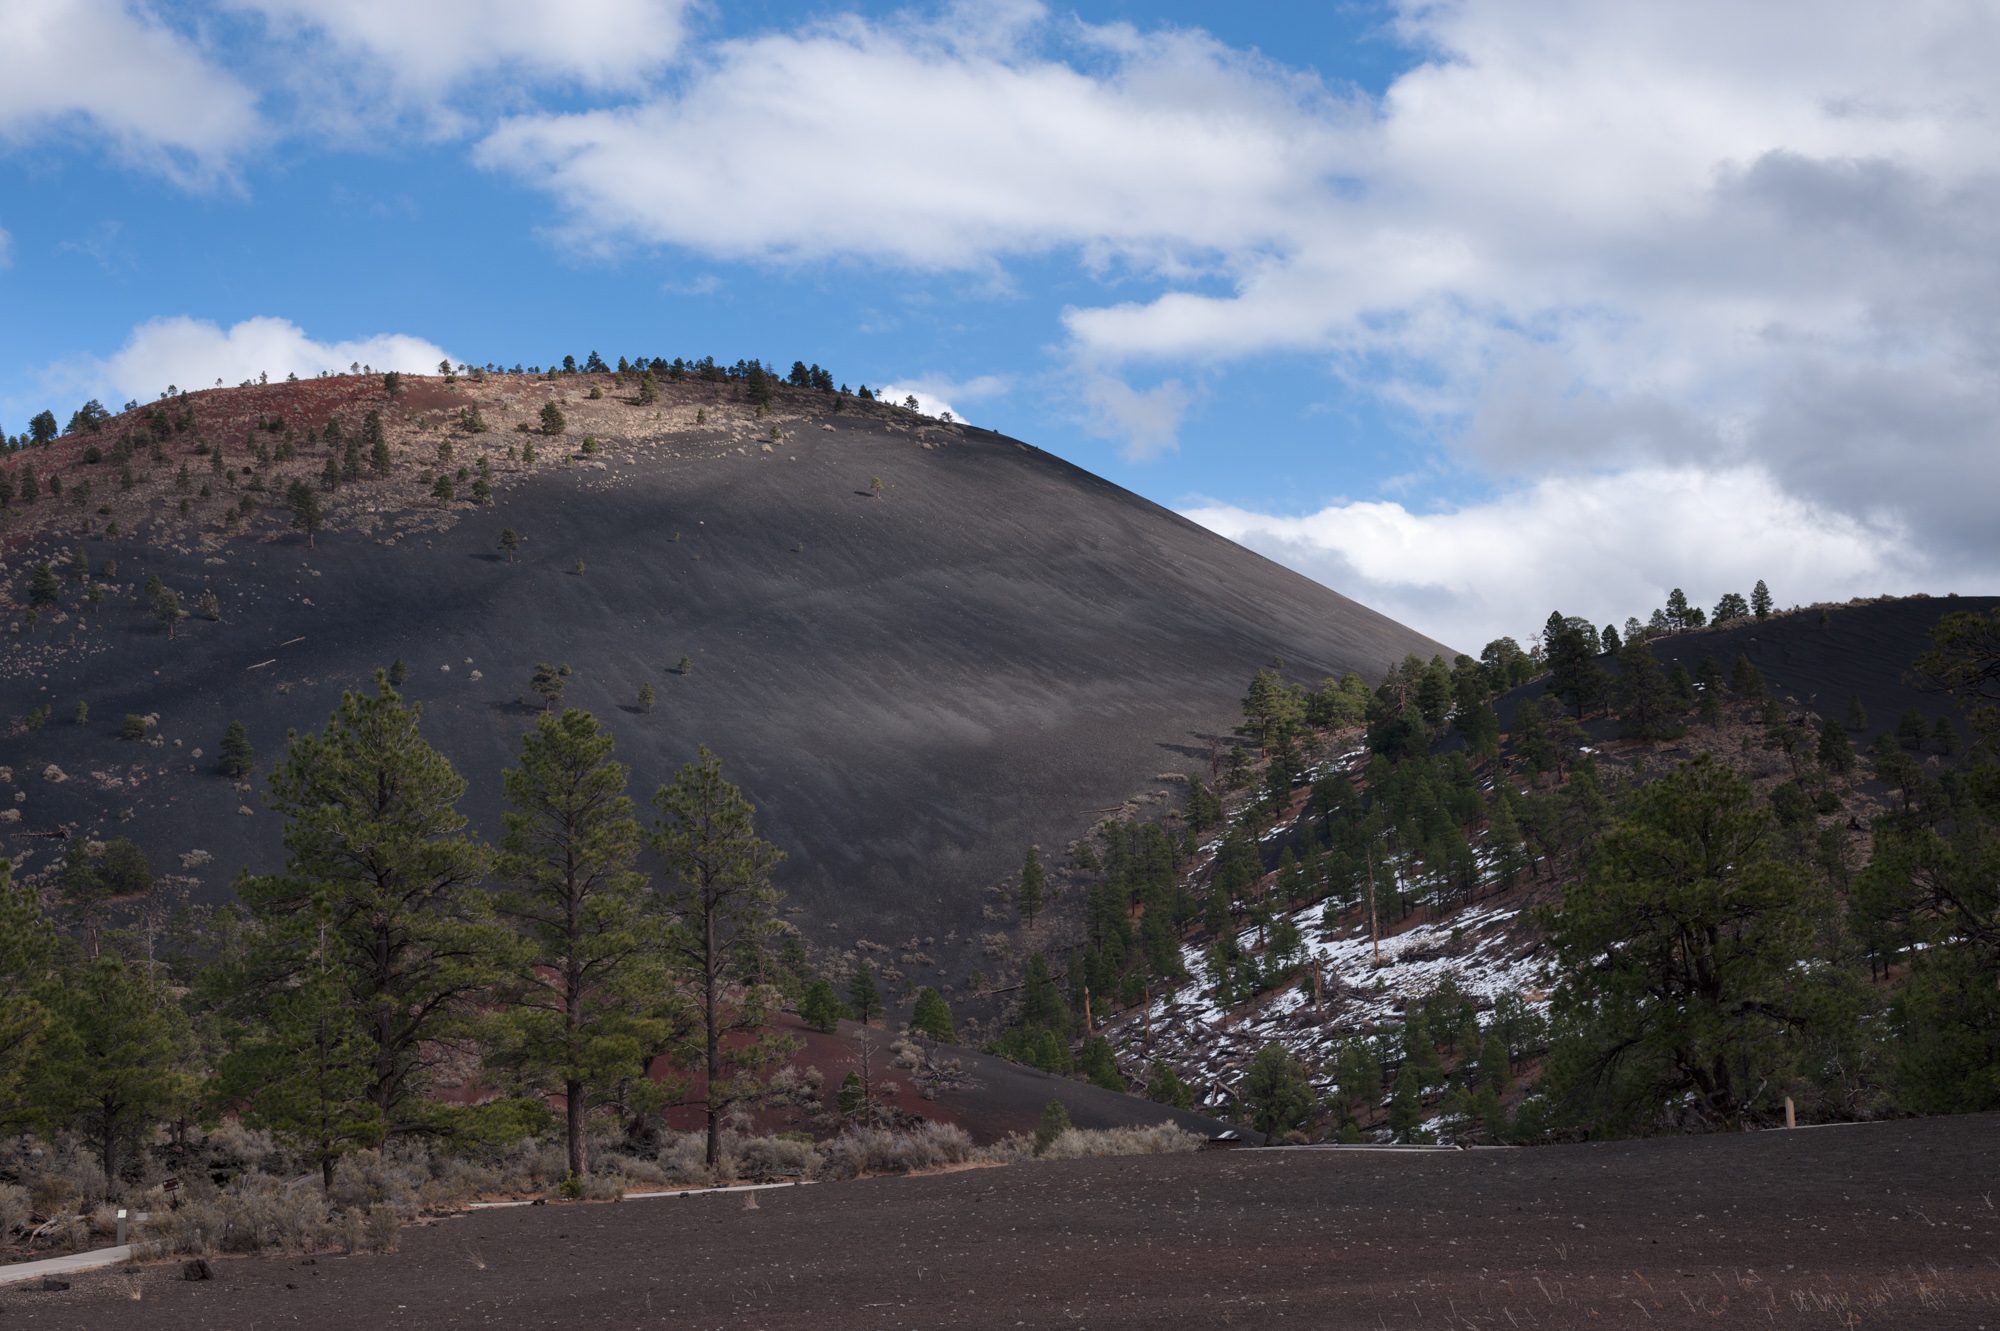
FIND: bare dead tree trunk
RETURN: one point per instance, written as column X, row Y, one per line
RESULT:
column 1374, row 928
column 711, row 978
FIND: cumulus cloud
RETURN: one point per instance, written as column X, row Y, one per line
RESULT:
column 115, row 70
column 941, row 145
column 1687, row 239
column 935, row 394
column 193, row 353
column 1601, row 546
column 1743, row 252
column 426, row 51
column 1146, row 422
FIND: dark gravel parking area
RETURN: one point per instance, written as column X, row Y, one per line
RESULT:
column 1885, row 1225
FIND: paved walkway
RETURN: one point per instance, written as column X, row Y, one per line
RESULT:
column 645, row 1196
column 98, row 1258
column 93, row 1260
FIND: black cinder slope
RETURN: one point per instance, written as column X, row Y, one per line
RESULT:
column 914, row 682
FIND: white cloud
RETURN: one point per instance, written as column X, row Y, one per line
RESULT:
column 193, row 353
column 939, row 145
column 1145, row 421
column 115, row 69
column 1709, row 291
column 424, row 52
column 936, row 394
column 1688, row 237
column 1601, row 546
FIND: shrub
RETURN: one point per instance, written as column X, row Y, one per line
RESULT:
column 862, row 1151
column 1054, row 1123
column 685, row 1159
column 14, row 1210
column 390, row 1177
column 134, row 727
column 1090, row 1143
column 254, row 1214
column 237, row 757
column 773, row 1159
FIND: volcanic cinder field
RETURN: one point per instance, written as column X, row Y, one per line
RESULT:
column 1887, row 1225
column 914, row 683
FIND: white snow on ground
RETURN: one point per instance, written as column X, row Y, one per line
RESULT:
column 1476, row 947
column 1481, row 947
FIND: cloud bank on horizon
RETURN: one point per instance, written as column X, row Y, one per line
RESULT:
column 1637, row 296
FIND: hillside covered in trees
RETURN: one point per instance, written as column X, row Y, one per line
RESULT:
column 1717, row 876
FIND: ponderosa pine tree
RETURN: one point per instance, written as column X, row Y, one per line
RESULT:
column 383, row 889
column 377, row 440
column 111, row 1060
column 1933, row 888
column 1033, row 882
column 306, row 513
column 1569, row 649
column 27, row 956
column 553, row 420
column 304, row 1068
column 1406, row 1109
column 821, row 1008
column 167, row 609
column 591, row 1003
column 1760, row 600
column 1099, row 1065
column 864, row 994
column 1835, row 753
column 1857, row 714
column 1040, row 1036
column 1164, row 1086
column 1646, row 708
column 548, row 682
column 1692, row 982
column 510, row 543
column 931, row 1018
column 1279, row 1094
column 44, row 588
column 719, row 890
column 1503, row 842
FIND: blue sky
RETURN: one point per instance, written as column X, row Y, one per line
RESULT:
column 1470, row 310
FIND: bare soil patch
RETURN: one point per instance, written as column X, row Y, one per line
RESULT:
column 1886, row 1225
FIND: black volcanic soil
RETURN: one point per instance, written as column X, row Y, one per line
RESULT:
column 1887, row 1225
column 996, row 650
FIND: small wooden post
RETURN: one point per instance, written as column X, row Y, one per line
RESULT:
column 1791, row 1113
